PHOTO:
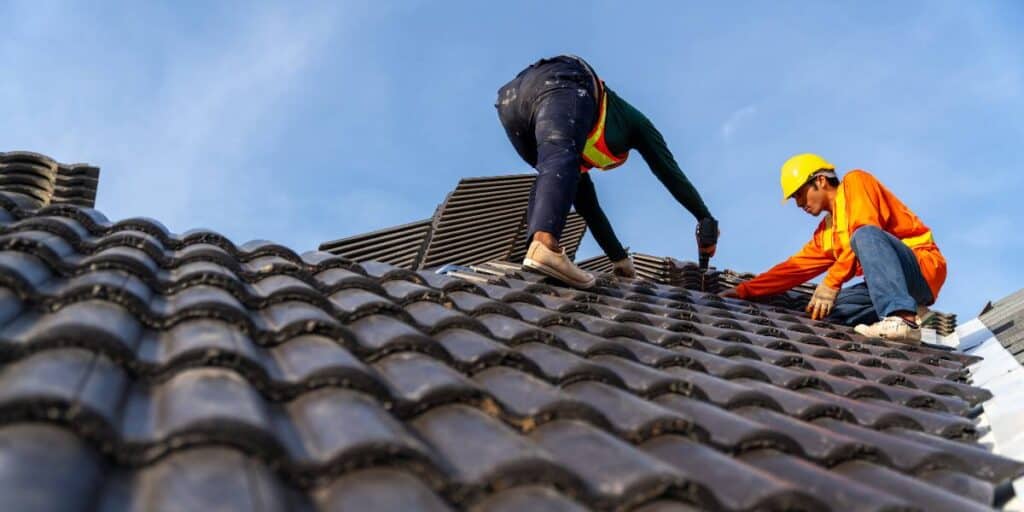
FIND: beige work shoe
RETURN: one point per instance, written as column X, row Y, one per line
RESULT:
column 891, row 328
column 556, row 265
column 624, row 267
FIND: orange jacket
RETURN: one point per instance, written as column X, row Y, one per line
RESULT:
column 861, row 200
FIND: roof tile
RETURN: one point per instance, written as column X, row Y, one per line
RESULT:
column 150, row 369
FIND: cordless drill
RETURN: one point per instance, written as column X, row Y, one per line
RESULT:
column 707, row 237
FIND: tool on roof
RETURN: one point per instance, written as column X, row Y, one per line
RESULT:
column 707, row 239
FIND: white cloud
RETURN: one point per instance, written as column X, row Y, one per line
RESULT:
column 736, row 120
column 172, row 124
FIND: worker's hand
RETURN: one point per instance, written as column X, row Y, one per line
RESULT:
column 729, row 293
column 624, row 267
column 707, row 236
column 822, row 301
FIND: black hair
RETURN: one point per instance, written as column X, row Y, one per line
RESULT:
column 813, row 181
column 832, row 181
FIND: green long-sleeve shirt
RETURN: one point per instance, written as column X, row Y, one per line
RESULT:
column 626, row 128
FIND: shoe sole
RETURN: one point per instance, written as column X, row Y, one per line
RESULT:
column 905, row 341
column 555, row 273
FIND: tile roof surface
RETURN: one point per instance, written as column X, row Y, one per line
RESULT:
column 143, row 370
column 482, row 219
column 686, row 274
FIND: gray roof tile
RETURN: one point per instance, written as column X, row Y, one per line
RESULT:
column 145, row 369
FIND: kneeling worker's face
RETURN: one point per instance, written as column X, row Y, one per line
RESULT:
column 811, row 197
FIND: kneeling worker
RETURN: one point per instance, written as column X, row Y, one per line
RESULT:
column 868, row 231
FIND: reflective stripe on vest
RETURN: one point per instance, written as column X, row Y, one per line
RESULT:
column 595, row 151
column 838, row 225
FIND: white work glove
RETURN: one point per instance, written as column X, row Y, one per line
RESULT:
column 822, row 301
column 624, row 267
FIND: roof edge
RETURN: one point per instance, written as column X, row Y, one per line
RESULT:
column 999, row 373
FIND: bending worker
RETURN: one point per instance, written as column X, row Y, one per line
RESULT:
column 564, row 121
column 868, row 231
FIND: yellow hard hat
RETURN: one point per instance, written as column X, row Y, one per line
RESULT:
column 798, row 170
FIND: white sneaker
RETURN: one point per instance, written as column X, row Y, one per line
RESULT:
column 557, row 265
column 891, row 328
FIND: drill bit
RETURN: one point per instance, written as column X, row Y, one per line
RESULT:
column 703, row 268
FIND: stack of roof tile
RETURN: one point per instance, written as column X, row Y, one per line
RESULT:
column 659, row 269
column 795, row 298
column 144, row 370
column 1005, row 319
column 572, row 235
column 76, row 184
column 943, row 323
column 483, row 219
column 41, row 180
column 478, row 221
column 687, row 274
column 400, row 245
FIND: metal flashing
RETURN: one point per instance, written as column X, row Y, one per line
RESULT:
column 1003, row 414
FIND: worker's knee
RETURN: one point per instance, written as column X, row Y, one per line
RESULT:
column 866, row 231
column 864, row 235
column 560, row 165
column 560, row 157
column 557, row 173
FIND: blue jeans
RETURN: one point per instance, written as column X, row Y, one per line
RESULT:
column 892, row 280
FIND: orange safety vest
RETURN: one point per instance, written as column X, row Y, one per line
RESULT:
column 595, row 151
column 838, row 226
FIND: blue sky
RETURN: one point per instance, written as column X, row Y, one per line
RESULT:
column 304, row 122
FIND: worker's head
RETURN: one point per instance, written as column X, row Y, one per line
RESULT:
column 807, row 178
column 813, row 196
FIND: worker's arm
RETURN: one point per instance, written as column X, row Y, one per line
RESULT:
column 864, row 207
column 647, row 140
column 588, row 208
column 803, row 266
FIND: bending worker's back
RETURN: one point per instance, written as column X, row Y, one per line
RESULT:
column 564, row 121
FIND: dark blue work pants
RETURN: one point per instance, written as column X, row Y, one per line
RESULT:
column 548, row 111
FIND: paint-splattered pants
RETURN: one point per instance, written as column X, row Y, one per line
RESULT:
column 547, row 111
